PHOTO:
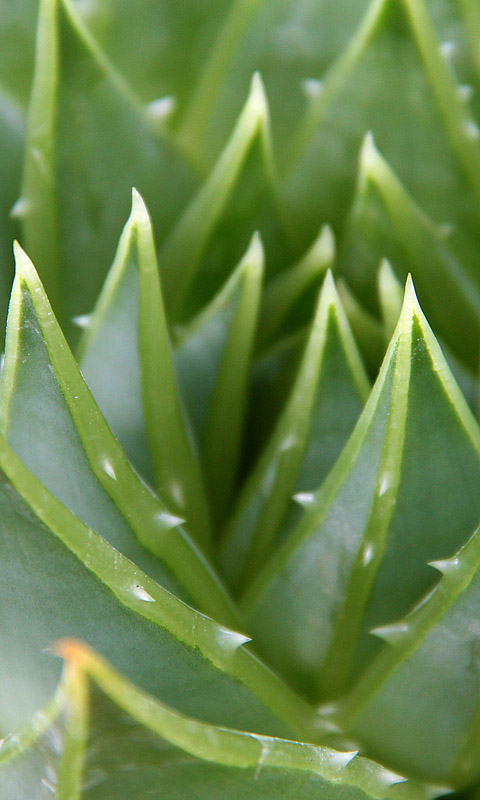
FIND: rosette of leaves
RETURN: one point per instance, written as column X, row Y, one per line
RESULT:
column 239, row 471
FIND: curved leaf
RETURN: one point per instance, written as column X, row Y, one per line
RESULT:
column 418, row 669
column 358, row 558
column 138, row 744
column 167, row 32
column 400, row 107
column 65, row 427
column 58, row 578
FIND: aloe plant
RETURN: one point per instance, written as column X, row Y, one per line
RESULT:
column 239, row 471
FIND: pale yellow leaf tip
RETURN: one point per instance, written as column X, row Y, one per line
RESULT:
column 368, row 153
column 410, row 293
column 324, row 245
column 410, row 305
column 328, row 299
column 386, row 275
column 329, row 290
column 23, row 265
column 139, row 208
column 74, row 652
column 371, row 162
column 257, row 98
column 254, row 259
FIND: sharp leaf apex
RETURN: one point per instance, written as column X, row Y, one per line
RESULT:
column 410, row 303
column 325, row 244
column 254, row 257
column 329, row 287
column 368, row 152
column 23, row 263
column 257, row 97
column 139, row 208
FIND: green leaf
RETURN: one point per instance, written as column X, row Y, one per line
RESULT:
column 17, row 47
column 401, row 107
column 59, row 578
column 470, row 13
column 461, row 129
column 31, row 757
column 366, row 329
column 213, row 363
column 384, row 213
column 181, row 254
column 419, row 669
column 125, row 357
column 285, row 293
column 273, row 373
column 89, row 142
column 390, row 295
column 358, row 558
column 304, row 445
column 11, row 145
column 167, row 32
column 64, row 427
column 288, row 42
column 390, row 299
column 137, row 744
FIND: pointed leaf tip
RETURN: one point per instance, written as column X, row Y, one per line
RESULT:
column 324, row 245
column 255, row 254
column 369, row 155
column 410, row 308
column 257, row 96
column 23, row 264
column 140, row 213
column 329, row 290
column 256, row 83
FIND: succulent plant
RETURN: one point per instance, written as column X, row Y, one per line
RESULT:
column 239, row 472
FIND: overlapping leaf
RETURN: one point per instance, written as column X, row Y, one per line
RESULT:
column 58, row 577
column 126, row 360
column 89, row 142
column 386, row 221
column 306, row 442
column 213, row 360
column 423, row 139
column 120, row 742
column 358, row 558
column 66, row 442
column 428, row 672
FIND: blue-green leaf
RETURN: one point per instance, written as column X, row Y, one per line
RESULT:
column 358, row 558
column 89, row 142
column 126, row 360
column 213, row 363
column 323, row 406
column 53, row 422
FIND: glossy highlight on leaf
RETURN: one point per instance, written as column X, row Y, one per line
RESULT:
column 241, row 504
